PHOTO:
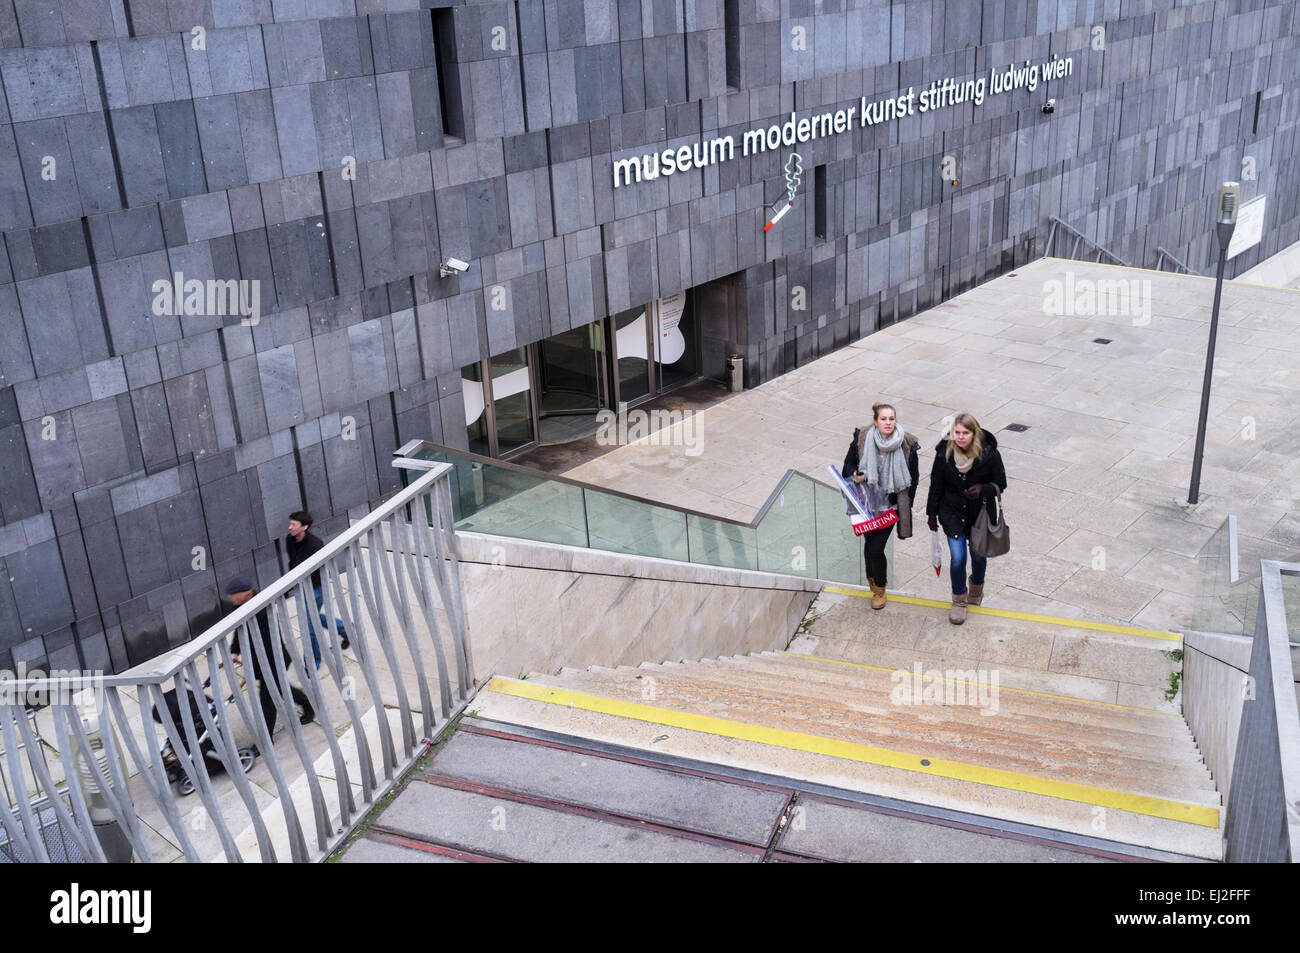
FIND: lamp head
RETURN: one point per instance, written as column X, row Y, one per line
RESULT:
column 1229, row 202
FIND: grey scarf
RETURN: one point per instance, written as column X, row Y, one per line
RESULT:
column 884, row 462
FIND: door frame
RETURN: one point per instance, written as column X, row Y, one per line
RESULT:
column 489, row 406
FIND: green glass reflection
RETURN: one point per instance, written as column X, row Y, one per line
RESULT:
column 787, row 533
column 839, row 552
column 632, row 526
column 491, row 499
column 718, row 543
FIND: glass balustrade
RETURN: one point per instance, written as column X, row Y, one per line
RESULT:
column 802, row 531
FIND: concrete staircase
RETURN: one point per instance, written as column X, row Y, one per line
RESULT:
column 1073, row 736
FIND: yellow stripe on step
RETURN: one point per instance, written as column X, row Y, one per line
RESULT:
column 1026, row 616
column 1001, row 688
column 851, row 751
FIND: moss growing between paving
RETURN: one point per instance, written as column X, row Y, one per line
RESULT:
column 809, row 619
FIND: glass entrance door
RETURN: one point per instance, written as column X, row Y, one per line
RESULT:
column 631, row 355
column 498, row 393
column 570, row 376
column 676, row 341
column 512, row 401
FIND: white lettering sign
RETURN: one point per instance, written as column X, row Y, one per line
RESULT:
column 939, row 94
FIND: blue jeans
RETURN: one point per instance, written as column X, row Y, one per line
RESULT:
column 957, row 549
column 338, row 624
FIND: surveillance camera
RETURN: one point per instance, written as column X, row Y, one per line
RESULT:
column 1049, row 106
column 452, row 266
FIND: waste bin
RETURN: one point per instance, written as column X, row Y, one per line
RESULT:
column 736, row 370
column 114, row 841
column 476, row 469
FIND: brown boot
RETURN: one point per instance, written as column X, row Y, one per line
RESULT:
column 957, row 615
column 877, row 596
column 975, row 594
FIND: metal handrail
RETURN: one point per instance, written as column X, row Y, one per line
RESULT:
column 1079, row 239
column 1162, row 253
column 1286, row 713
column 1262, row 814
column 392, row 579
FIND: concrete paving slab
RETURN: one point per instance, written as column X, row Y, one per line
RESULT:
column 529, row 833
column 1108, row 448
column 666, row 797
column 377, row 852
column 853, row 835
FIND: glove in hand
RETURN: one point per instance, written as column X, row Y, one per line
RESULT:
column 934, row 524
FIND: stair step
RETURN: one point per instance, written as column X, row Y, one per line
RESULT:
column 1113, row 689
column 1025, row 725
column 899, row 731
column 1088, row 653
column 1145, row 727
column 1123, row 824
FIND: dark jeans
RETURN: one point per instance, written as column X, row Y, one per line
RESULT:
column 311, row 628
column 958, row 547
column 873, row 551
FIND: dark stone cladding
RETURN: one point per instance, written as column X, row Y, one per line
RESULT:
column 128, row 441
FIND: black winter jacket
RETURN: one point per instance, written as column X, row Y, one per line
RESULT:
column 947, row 497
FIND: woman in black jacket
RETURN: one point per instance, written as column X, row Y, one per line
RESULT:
column 967, row 474
column 884, row 457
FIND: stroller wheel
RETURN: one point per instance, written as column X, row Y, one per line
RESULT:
column 185, row 787
column 247, row 757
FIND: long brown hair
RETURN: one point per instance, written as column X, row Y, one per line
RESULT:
column 976, row 441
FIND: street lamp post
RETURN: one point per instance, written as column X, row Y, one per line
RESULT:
column 1229, row 200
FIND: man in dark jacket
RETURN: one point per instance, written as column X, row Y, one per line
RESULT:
column 301, row 545
column 967, row 474
column 240, row 591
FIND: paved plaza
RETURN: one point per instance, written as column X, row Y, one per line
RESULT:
column 1098, row 483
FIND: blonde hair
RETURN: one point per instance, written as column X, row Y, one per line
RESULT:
column 877, row 407
column 976, row 441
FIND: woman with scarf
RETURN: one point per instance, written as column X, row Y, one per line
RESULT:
column 884, row 456
column 967, row 474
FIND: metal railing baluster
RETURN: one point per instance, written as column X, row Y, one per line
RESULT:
column 83, row 828
column 399, row 598
column 420, row 574
column 34, row 846
column 159, row 786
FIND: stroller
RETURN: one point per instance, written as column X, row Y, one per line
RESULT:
column 172, row 762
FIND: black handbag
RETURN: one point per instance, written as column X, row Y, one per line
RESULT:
column 989, row 538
